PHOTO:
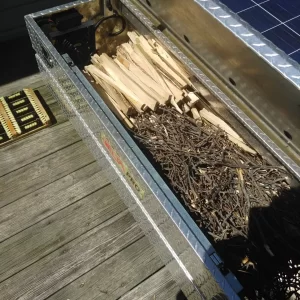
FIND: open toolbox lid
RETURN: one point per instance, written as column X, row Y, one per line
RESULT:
column 95, row 122
column 259, row 78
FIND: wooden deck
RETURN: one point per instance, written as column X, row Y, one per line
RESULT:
column 64, row 232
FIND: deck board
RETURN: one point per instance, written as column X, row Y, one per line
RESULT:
column 72, row 260
column 37, row 241
column 64, row 231
column 37, row 146
column 48, row 200
column 33, row 81
column 40, row 173
column 40, row 144
column 159, row 286
column 116, row 276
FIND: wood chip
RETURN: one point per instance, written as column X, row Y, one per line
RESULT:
column 172, row 63
column 152, row 92
column 144, row 77
column 121, row 78
column 143, row 45
column 95, row 72
column 232, row 135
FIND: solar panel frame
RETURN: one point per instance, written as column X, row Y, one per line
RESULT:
column 286, row 65
column 277, row 20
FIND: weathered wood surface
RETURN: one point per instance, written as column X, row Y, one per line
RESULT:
column 33, row 81
column 160, row 286
column 73, row 260
column 64, row 232
column 46, row 236
column 115, row 276
column 40, row 173
column 36, row 146
column 41, row 143
column 48, row 200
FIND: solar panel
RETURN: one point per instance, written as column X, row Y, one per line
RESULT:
column 277, row 20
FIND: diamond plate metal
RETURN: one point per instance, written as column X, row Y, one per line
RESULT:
column 130, row 9
column 178, row 240
column 160, row 229
column 273, row 55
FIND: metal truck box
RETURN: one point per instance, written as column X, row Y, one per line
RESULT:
column 182, row 246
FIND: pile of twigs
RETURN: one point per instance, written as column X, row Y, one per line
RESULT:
column 213, row 175
column 227, row 186
column 219, row 182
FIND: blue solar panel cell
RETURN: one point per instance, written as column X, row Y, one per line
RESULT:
column 296, row 56
column 259, row 19
column 281, row 9
column 257, row 1
column 294, row 24
column 284, row 38
column 277, row 20
column 237, row 6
